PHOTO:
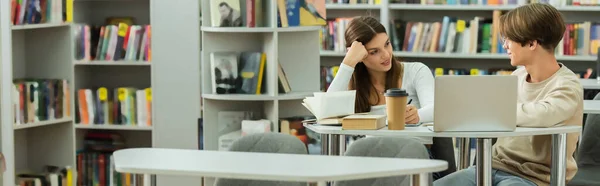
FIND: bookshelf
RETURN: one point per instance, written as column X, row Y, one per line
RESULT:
column 428, row 12
column 55, row 44
column 125, row 79
column 33, row 140
column 295, row 48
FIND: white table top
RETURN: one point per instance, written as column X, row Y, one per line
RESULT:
column 266, row 166
column 590, row 83
column 591, row 106
column 425, row 132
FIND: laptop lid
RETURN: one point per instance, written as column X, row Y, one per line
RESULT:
column 475, row 103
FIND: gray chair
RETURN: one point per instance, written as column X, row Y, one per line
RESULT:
column 265, row 143
column 588, row 155
column 389, row 147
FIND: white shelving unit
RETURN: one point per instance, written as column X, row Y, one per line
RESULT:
column 429, row 13
column 33, row 52
column 296, row 49
column 108, row 73
column 48, row 51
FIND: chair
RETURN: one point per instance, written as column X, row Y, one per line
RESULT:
column 266, row 143
column 588, row 155
column 389, row 147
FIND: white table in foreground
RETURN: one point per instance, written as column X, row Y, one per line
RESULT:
column 590, row 83
column 484, row 144
column 591, row 106
column 266, row 166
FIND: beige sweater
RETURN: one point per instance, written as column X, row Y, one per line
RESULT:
column 556, row 101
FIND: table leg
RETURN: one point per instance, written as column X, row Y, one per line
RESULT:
column 324, row 144
column 147, row 179
column 559, row 160
column 464, row 153
column 343, row 143
column 334, row 145
column 484, row 162
column 419, row 179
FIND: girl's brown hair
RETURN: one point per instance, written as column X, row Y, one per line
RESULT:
column 363, row 29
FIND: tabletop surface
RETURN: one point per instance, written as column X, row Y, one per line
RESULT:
column 266, row 166
column 591, row 106
column 424, row 131
column 590, row 83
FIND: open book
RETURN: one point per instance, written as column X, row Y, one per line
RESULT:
column 328, row 105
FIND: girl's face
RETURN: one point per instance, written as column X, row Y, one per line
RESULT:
column 379, row 51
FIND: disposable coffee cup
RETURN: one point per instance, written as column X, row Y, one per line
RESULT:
column 395, row 100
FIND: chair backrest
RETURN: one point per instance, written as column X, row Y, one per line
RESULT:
column 388, row 147
column 588, row 153
column 589, row 148
column 266, row 143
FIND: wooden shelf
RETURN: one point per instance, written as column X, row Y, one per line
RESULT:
column 38, row 26
column 42, row 123
column 112, row 127
column 113, row 63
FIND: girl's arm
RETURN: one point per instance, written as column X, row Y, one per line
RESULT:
column 342, row 79
column 424, row 84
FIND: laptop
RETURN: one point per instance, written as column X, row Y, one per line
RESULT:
column 465, row 103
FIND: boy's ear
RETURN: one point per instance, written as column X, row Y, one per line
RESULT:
column 533, row 44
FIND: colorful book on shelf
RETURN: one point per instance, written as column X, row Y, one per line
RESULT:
column 479, row 35
column 120, row 42
column 35, row 100
column 120, row 106
column 93, row 161
column 25, row 12
column 292, row 13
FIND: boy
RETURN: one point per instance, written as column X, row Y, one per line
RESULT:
column 549, row 95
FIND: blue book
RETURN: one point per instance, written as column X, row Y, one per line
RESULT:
column 292, row 8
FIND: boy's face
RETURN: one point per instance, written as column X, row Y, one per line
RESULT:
column 519, row 55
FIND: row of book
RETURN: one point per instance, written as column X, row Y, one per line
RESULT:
column 242, row 73
column 36, row 100
column 119, row 106
column 498, row 2
column 94, row 160
column 585, row 74
column 50, row 176
column 113, row 42
column 39, row 11
column 454, row 35
column 353, row 2
column 472, row 71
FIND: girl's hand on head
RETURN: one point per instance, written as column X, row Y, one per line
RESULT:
column 356, row 53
